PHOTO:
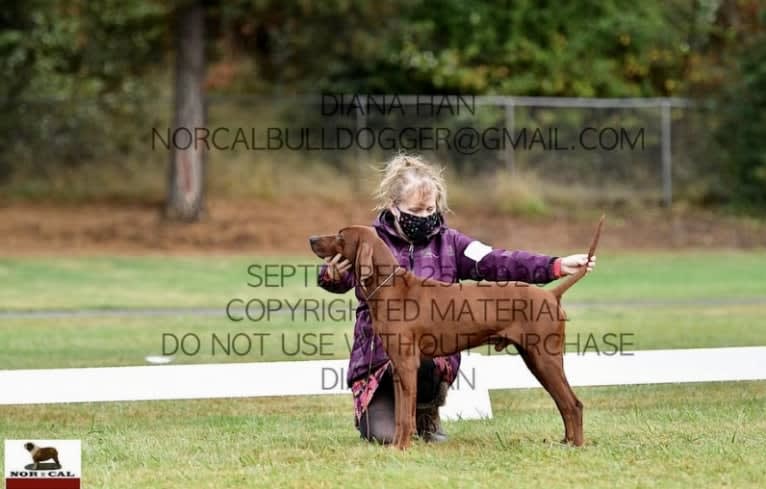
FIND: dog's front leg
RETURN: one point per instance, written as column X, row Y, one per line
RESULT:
column 405, row 392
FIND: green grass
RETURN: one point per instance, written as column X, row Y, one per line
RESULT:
column 114, row 341
column 211, row 281
column 149, row 282
column 692, row 435
column 675, row 276
column 168, row 282
column 696, row 435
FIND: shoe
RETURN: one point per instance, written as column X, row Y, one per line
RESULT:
column 427, row 419
column 429, row 425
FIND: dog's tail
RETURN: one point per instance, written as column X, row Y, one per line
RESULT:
column 559, row 290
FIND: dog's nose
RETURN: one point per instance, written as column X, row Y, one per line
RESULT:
column 313, row 239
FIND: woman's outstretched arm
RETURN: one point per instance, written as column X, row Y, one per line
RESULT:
column 478, row 261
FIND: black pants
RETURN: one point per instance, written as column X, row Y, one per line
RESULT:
column 378, row 423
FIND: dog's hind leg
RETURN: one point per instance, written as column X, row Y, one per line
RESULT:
column 549, row 370
column 570, row 407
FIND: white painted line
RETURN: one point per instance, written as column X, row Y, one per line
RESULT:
column 471, row 399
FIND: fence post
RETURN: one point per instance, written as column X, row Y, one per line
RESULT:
column 667, row 161
column 510, row 123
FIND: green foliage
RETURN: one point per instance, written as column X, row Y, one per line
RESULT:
column 337, row 45
column 524, row 47
column 75, row 74
column 743, row 132
column 59, row 49
column 534, row 48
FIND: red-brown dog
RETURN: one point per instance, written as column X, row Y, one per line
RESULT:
column 527, row 316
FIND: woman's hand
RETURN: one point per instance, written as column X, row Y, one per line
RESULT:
column 573, row 263
column 336, row 268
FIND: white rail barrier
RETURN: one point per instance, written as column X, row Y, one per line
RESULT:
column 469, row 397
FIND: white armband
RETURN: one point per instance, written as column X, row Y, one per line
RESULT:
column 477, row 250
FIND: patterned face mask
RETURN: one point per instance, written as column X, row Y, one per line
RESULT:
column 418, row 229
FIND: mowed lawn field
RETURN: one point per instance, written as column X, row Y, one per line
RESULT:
column 98, row 311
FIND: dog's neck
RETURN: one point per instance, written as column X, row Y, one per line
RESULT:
column 387, row 280
column 384, row 270
column 387, row 274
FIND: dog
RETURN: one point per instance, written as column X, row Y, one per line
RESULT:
column 41, row 454
column 531, row 319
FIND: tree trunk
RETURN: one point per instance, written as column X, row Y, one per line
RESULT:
column 187, row 155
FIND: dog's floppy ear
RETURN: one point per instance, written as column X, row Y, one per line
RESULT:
column 363, row 264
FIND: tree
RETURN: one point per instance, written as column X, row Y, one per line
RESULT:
column 187, row 158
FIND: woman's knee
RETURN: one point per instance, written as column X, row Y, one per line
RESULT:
column 377, row 422
column 376, row 428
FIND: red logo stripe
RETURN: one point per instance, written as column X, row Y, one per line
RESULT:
column 40, row 483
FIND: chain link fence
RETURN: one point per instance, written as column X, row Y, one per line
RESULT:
column 656, row 150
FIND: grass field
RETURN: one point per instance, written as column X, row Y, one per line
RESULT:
column 693, row 435
column 211, row 281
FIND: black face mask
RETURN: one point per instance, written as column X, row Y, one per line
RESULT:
column 418, row 229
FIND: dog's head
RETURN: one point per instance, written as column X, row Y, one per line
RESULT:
column 29, row 446
column 357, row 244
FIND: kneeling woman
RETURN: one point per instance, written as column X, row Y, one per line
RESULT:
column 412, row 200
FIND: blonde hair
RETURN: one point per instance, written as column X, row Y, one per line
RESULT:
column 404, row 173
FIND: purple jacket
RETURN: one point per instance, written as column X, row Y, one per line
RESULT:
column 441, row 258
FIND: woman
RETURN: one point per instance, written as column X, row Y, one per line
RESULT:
column 411, row 201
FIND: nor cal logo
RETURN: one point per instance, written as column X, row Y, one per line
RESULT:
column 42, row 464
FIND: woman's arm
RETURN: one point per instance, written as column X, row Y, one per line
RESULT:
column 477, row 261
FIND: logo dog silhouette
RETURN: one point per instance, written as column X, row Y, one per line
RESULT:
column 41, row 454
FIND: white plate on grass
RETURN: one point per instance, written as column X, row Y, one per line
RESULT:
column 159, row 359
